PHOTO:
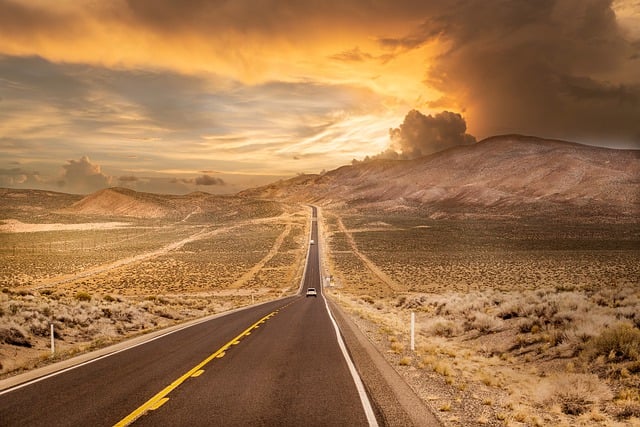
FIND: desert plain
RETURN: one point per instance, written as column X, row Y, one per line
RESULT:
column 525, row 295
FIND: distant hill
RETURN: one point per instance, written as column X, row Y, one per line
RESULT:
column 124, row 202
column 509, row 175
column 502, row 176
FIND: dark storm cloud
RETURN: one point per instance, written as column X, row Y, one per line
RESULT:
column 16, row 17
column 558, row 68
column 419, row 135
column 128, row 178
column 269, row 16
column 585, row 88
column 208, row 180
column 205, row 180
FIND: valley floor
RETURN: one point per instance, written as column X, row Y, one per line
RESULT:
column 100, row 283
column 516, row 324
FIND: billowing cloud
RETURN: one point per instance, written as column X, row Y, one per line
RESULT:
column 561, row 68
column 246, row 87
column 83, row 176
column 419, row 135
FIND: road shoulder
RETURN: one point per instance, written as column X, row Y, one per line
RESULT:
column 395, row 402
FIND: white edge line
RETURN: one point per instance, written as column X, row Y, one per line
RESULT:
column 366, row 404
column 113, row 353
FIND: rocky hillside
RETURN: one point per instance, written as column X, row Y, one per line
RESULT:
column 500, row 176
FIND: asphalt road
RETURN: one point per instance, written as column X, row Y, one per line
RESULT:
column 274, row 364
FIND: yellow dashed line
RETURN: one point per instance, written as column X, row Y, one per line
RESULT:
column 160, row 399
column 159, row 403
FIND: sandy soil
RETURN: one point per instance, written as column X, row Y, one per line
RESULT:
column 529, row 346
column 101, row 303
column 16, row 226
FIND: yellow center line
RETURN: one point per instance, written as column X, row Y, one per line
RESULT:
column 159, row 399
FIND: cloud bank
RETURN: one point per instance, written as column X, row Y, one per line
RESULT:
column 161, row 89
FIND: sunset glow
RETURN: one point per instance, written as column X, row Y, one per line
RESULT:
column 152, row 91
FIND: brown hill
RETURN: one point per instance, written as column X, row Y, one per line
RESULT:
column 123, row 202
column 196, row 206
column 503, row 175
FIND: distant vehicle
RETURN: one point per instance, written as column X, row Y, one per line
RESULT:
column 311, row 292
column 312, row 242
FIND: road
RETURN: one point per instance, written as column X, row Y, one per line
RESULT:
column 278, row 363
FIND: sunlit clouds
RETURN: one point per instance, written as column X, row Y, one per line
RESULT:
column 154, row 92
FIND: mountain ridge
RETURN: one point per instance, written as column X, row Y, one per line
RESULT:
column 502, row 175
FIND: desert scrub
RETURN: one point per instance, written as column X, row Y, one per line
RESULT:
column 405, row 361
column 619, row 343
column 575, row 394
column 14, row 335
column 397, row 347
column 82, row 296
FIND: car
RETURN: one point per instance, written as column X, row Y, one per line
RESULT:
column 311, row 292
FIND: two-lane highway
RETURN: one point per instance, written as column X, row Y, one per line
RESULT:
column 279, row 363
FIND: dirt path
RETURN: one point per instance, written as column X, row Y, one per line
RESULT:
column 272, row 252
column 395, row 286
column 199, row 235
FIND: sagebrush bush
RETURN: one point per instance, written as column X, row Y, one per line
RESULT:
column 83, row 296
column 574, row 393
column 443, row 328
column 14, row 335
column 618, row 344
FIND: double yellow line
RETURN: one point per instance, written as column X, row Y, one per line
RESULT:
column 161, row 398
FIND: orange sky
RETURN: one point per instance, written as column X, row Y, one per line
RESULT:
column 157, row 94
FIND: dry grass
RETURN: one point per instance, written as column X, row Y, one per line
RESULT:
column 526, row 324
column 236, row 262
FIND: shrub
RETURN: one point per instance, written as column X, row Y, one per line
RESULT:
column 14, row 336
column 529, row 325
column 443, row 328
column 397, row 347
column 619, row 343
column 405, row 361
column 83, row 296
column 482, row 322
column 575, row 393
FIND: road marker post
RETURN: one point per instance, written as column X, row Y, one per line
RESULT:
column 413, row 331
column 53, row 344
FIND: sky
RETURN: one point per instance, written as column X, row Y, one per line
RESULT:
column 174, row 96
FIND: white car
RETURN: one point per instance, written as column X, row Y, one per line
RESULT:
column 311, row 292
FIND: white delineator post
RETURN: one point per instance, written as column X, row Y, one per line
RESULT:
column 413, row 331
column 53, row 344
